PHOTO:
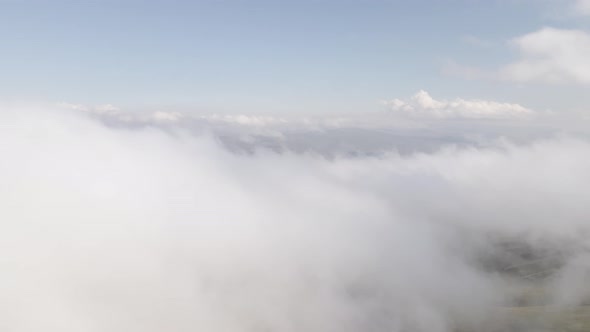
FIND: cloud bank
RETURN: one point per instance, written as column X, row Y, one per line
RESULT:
column 109, row 228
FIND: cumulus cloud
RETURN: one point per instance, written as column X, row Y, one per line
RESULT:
column 422, row 105
column 111, row 229
column 551, row 55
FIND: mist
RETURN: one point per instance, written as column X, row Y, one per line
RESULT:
column 159, row 228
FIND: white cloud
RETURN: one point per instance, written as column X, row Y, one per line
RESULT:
column 111, row 229
column 422, row 105
column 581, row 7
column 552, row 56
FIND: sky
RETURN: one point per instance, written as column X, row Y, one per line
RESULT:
column 319, row 56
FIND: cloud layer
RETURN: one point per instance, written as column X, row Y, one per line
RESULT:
column 148, row 229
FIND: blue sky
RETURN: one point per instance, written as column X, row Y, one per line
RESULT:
column 266, row 56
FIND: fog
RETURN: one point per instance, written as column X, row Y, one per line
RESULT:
column 160, row 228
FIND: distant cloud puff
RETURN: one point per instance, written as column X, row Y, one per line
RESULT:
column 245, row 120
column 111, row 112
column 105, row 109
column 581, row 7
column 161, row 116
column 551, row 55
column 422, row 105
